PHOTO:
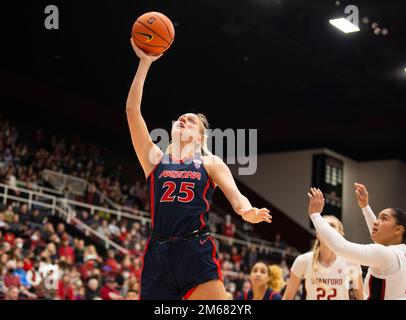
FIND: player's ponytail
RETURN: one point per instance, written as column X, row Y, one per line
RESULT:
column 315, row 259
column 400, row 216
column 276, row 281
column 204, row 125
column 316, row 252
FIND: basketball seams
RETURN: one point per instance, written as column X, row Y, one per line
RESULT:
column 153, row 31
column 167, row 28
column 149, row 45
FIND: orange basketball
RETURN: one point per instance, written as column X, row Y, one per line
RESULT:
column 153, row 32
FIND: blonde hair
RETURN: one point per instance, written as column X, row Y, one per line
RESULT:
column 275, row 273
column 203, row 126
column 316, row 248
column 276, row 281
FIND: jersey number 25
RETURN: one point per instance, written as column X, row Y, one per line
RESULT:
column 186, row 193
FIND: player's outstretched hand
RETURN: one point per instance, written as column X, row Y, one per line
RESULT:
column 142, row 55
column 362, row 195
column 316, row 203
column 255, row 215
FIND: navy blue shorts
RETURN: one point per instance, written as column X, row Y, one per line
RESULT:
column 171, row 270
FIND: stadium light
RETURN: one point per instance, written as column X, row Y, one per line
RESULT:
column 344, row 25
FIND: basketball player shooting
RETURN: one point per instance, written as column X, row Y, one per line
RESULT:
column 181, row 259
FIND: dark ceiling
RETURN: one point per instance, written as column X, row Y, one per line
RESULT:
column 274, row 65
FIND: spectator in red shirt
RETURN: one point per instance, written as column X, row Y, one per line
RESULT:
column 235, row 256
column 9, row 237
column 112, row 263
column 87, row 268
column 228, row 227
column 10, row 279
column 123, row 233
column 109, row 291
column 65, row 289
column 66, row 251
column 137, row 267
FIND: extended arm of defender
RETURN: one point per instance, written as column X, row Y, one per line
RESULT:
column 373, row 255
column 361, row 193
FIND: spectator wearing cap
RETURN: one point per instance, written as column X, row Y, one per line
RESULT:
column 109, row 291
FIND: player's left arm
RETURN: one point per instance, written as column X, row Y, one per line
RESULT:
column 221, row 176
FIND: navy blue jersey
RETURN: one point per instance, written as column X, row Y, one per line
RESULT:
column 180, row 196
column 269, row 295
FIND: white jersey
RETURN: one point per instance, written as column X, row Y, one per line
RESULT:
column 386, row 277
column 327, row 283
column 381, row 284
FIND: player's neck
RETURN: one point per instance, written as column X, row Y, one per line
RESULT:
column 183, row 150
column 393, row 242
column 258, row 292
column 326, row 256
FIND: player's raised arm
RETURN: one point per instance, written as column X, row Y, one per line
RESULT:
column 222, row 177
column 375, row 255
column 361, row 193
column 147, row 152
